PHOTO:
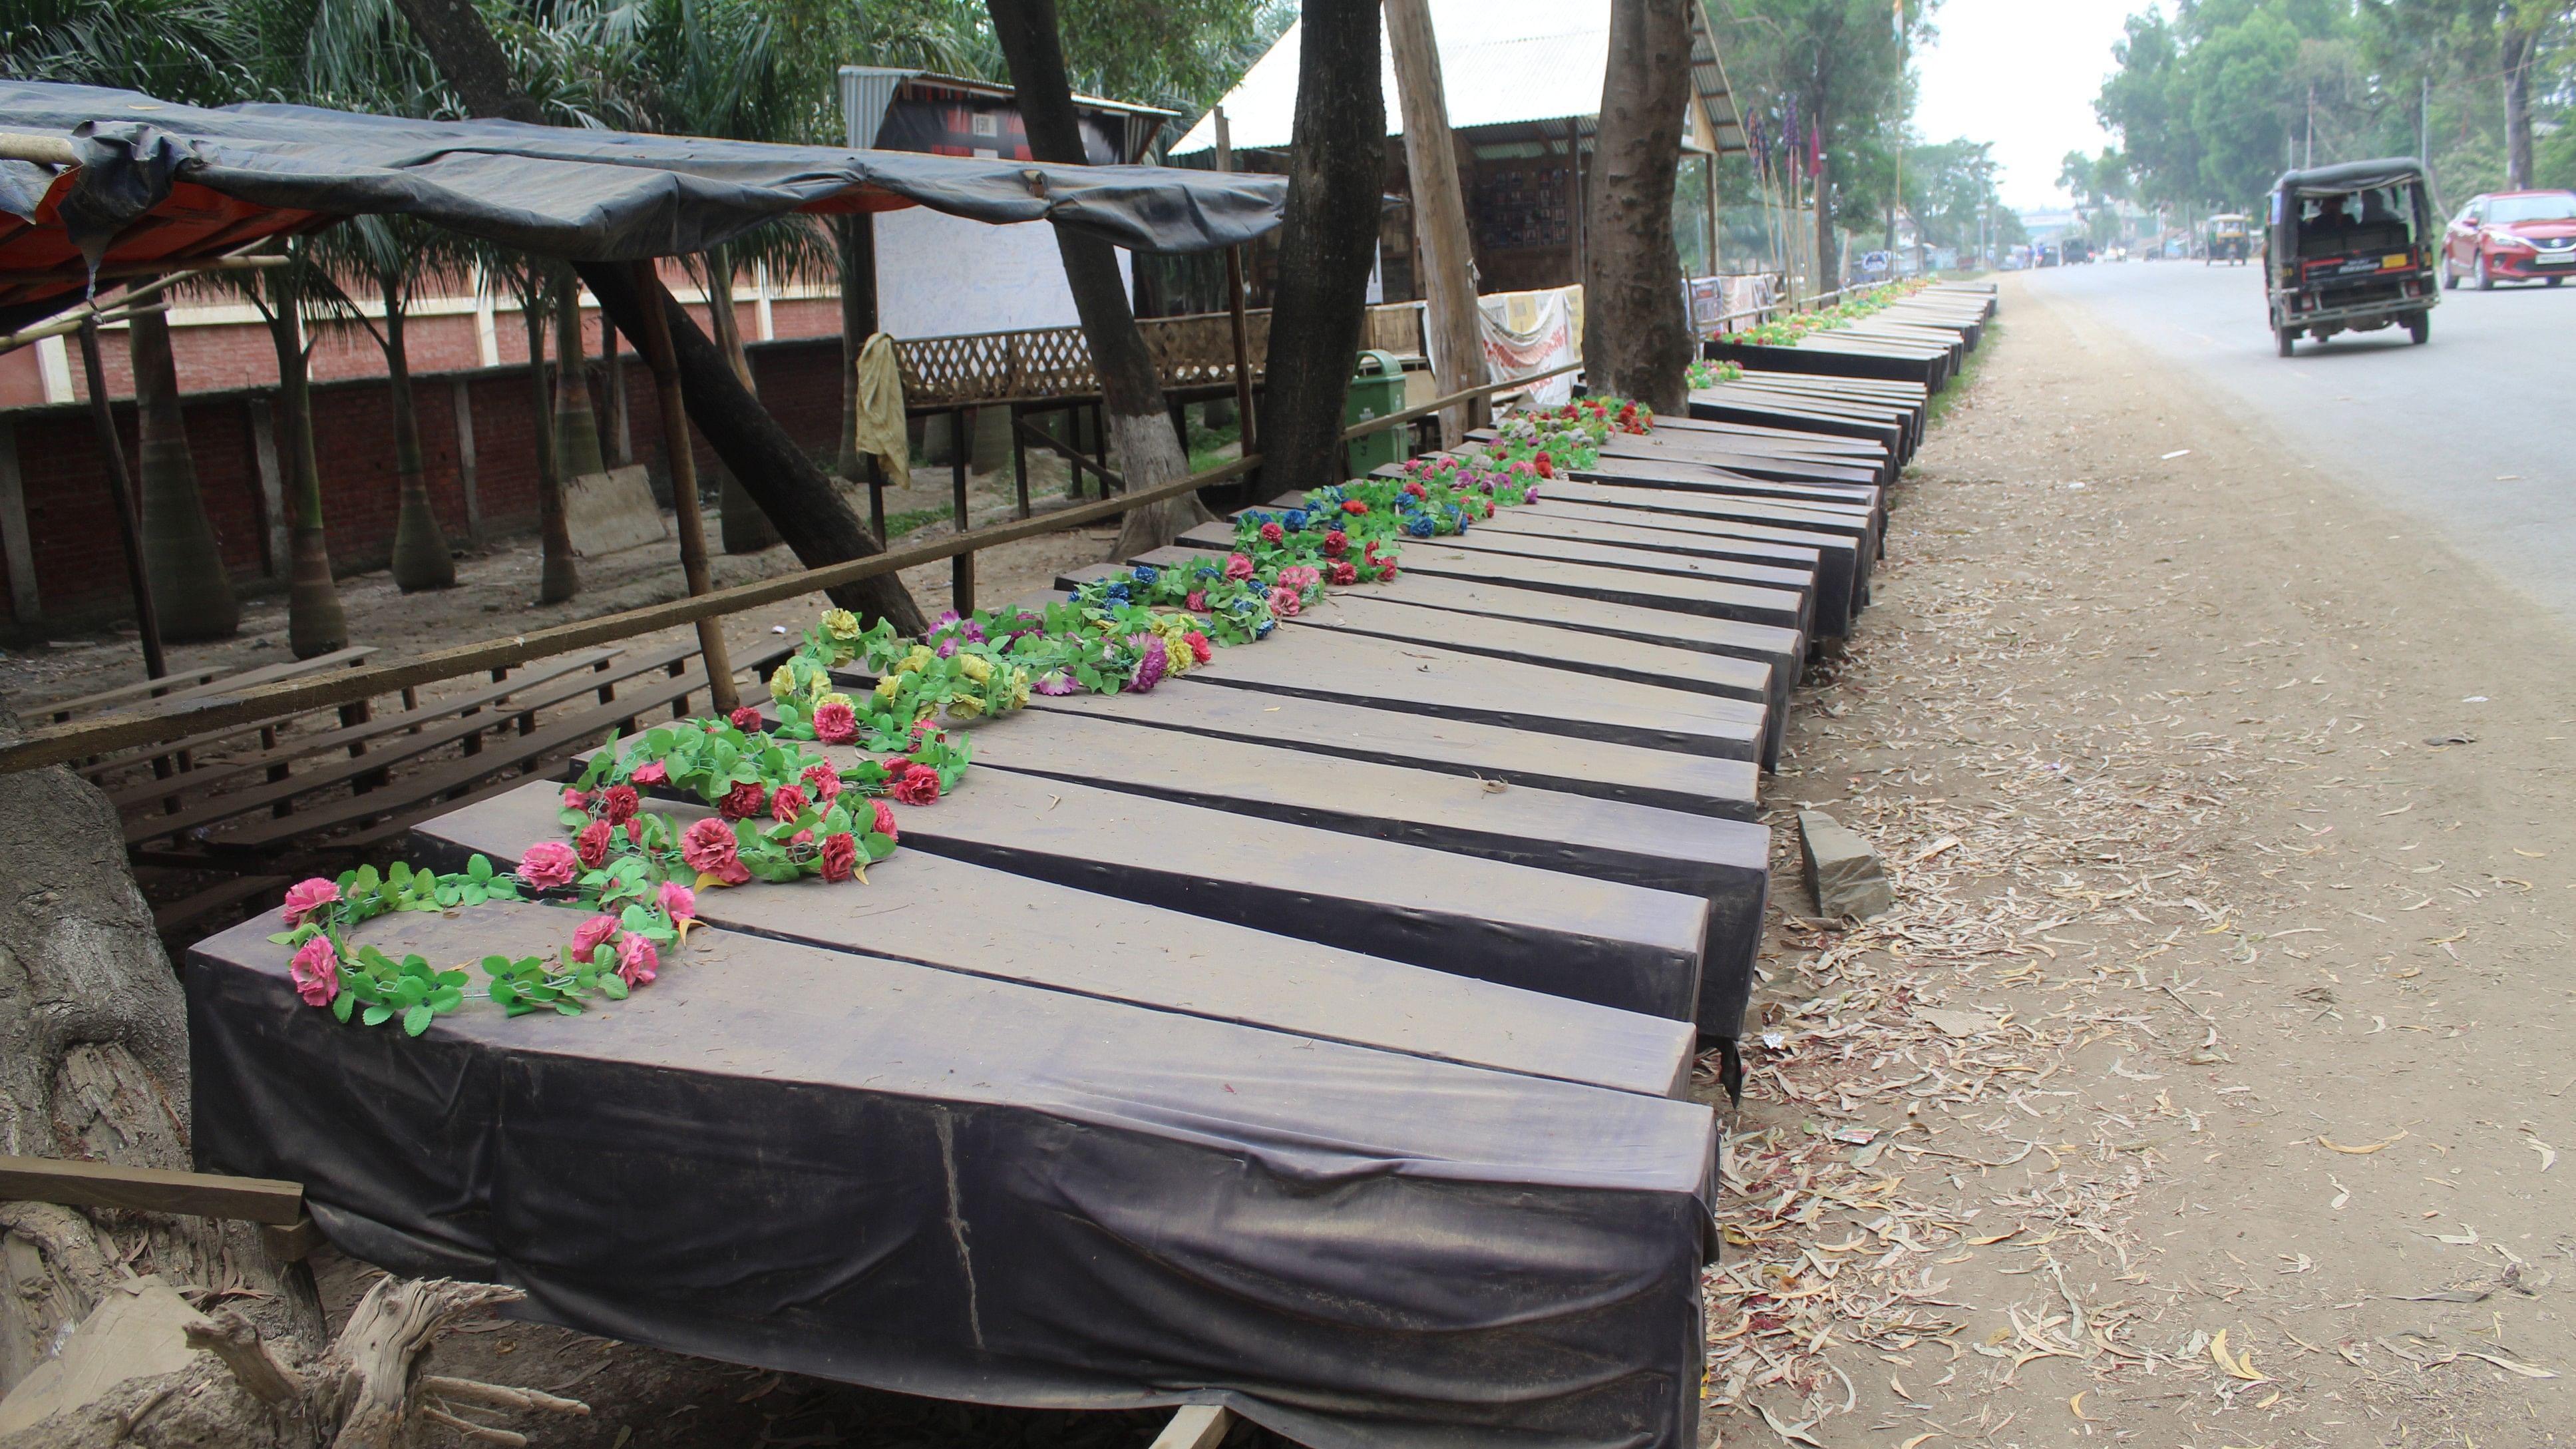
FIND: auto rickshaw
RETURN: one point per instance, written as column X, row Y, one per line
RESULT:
column 2230, row 238
column 2352, row 250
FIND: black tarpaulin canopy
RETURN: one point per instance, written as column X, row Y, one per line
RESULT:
column 2350, row 176
column 169, row 183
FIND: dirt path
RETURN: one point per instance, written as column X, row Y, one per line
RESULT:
column 2205, row 1087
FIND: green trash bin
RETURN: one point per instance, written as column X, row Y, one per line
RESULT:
column 1377, row 389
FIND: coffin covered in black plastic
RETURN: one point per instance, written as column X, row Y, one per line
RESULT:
column 949, row 1185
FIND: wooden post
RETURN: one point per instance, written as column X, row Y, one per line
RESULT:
column 1019, row 459
column 1234, row 309
column 961, row 569
column 679, row 455
column 121, row 485
column 1439, row 213
column 876, row 494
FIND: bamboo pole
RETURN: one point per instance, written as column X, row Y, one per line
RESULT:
column 121, row 486
column 681, row 457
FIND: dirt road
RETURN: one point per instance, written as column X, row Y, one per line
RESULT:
column 2206, row 1087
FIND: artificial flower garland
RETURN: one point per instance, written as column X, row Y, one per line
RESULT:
column 782, row 814
column 1782, row 331
column 1704, row 373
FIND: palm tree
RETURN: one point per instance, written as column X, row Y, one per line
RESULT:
column 315, row 623
column 394, row 253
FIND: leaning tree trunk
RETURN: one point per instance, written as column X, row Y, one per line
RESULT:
column 560, row 577
column 315, row 623
column 746, row 528
column 421, row 559
column 1636, row 325
column 1336, row 168
column 94, row 1066
column 1140, row 426
column 576, row 424
column 192, row 591
column 787, row 485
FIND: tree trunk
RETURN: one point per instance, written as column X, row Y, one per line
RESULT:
column 856, row 244
column 191, row 589
column 746, row 528
column 1439, row 208
column 315, row 624
column 1140, row 424
column 560, row 578
column 1336, row 169
column 2521, row 47
column 786, row 484
column 576, row 425
column 1636, row 323
column 94, row 1065
column 421, row 559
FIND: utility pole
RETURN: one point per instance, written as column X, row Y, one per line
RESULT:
column 2424, row 122
column 1439, row 214
column 2311, row 159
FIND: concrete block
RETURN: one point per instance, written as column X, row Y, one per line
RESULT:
column 612, row 510
column 1844, row 874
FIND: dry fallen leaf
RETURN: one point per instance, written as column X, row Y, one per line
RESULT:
column 2508, row 1365
column 2075, row 1406
column 2241, row 1366
column 2548, row 1154
column 2363, row 1151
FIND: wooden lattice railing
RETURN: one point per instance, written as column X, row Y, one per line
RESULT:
column 1054, row 362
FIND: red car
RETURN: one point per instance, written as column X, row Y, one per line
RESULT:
column 2512, row 236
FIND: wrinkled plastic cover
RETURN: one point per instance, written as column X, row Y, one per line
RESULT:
column 943, row 1184
column 582, row 194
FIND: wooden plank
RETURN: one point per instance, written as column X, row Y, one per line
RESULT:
column 1194, row 1426
column 149, row 1189
column 1500, row 753
column 991, row 922
column 1839, row 573
column 197, row 684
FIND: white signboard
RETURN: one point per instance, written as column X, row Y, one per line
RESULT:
column 940, row 275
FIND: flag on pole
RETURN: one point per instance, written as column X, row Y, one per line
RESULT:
column 1899, row 7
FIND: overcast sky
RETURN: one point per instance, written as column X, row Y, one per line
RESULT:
column 2021, row 74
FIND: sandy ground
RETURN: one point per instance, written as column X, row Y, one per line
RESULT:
column 2203, row 1088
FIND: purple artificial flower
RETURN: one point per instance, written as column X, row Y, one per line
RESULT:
column 1056, row 681
column 1151, row 667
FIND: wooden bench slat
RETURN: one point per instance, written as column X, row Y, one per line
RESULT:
column 150, row 1189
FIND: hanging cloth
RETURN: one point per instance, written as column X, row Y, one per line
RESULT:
column 880, row 420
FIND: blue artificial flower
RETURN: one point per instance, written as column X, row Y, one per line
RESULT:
column 1145, row 575
column 1262, row 629
column 1209, row 571
column 1117, row 592
column 1420, row 526
column 1296, row 520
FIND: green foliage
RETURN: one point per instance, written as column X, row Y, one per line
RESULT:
column 1845, row 65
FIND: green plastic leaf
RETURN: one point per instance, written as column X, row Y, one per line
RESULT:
column 343, row 1004
column 377, row 1015
column 288, row 938
column 479, row 868
column 416, row 1020
column 613, row 987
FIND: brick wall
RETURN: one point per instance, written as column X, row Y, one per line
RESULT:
column 71, row 522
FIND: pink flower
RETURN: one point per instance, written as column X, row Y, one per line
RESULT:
column 547, row 864
column 305, row 898
column 1336, row 543
column 917, row 787
column 787, row 804
column 592, row 934
column 1299, row 577
column 745, row 719
column 825, row 780
column 709, row 848
column 841, row 852
column 1272, row 533
column 1285, row 603
column 679, row 902
column 637, row 961
column 885, row 820
column 801, row 837
column 1345, row 572
column 621, row 802
column 316, row 970
column 575, row 800
column 1196, row 603
column 651, row 773
column 835, row 723
column 1151, row 666
column 592, row 844
column 743, row 801
column 1237, row 567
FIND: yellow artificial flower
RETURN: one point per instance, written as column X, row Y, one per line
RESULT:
column 975, row 667
column 1177, row 658
column 917, row 660
column 840, row 623
column 782, row 685
column 965, row 706
column 887, row 685
column 1020, row 689
column 835, row 697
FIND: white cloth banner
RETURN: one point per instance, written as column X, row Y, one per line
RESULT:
column 1532, row 332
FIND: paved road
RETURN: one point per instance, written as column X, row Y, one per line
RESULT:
column 2433, row 430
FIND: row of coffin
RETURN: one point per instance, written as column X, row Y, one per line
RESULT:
column 1312, row 1035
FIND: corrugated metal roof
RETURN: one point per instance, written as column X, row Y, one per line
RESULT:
column 1502, row 62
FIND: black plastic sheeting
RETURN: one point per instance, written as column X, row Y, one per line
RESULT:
column 943, row 1184
column 2350, row 176
column 582, row 194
